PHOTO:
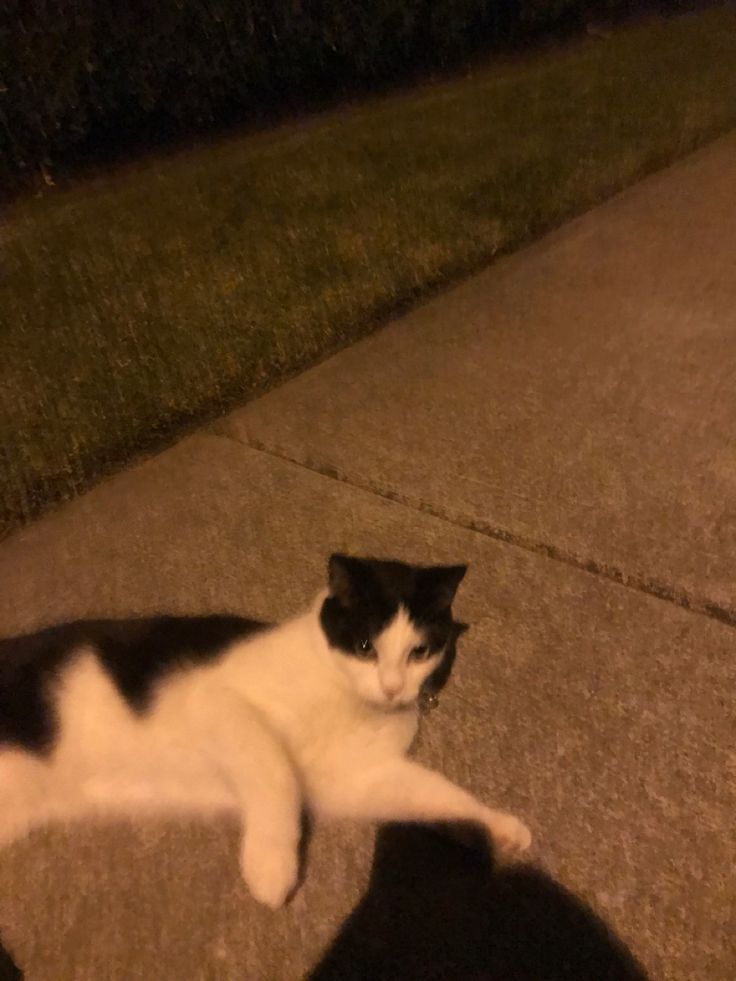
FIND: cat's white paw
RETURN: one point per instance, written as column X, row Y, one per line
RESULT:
column 509, row 834
column 270, row 871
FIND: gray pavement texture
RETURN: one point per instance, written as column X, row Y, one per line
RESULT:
column 579, row 398
column 566, row 423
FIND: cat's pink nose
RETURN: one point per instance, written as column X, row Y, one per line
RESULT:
column 391, row 689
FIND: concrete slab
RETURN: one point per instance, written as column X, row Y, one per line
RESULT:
column 602, row 715
column 578, row 398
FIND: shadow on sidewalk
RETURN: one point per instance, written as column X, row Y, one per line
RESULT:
column 8, row 969
column 436, row 909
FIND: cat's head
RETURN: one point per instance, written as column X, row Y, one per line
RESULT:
column 392, row 624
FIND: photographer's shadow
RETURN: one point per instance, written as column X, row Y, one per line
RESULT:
column 9, row 971
column 437, row 909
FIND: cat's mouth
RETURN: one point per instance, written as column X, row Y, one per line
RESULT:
column 394, row 704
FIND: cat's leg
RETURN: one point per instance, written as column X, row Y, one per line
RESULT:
column 267, row 790
column 401, row 790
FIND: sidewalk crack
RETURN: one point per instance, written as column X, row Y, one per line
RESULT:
column 666, row 592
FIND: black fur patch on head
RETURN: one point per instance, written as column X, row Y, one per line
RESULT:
column 136, row 654
column 441, row 674
column 365, row 595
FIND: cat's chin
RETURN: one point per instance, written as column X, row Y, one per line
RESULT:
column 391, row 706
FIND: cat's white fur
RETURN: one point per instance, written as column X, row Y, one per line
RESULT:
column 280, row 722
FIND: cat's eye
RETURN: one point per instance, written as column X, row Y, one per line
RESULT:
column 364, row 649
column 419, row 653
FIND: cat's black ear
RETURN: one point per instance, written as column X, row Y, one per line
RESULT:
column 343, row 573
column 439, row 585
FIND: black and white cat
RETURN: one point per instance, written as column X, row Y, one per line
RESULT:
column 210, row 714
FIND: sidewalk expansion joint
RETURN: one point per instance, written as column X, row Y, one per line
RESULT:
column 640, row 584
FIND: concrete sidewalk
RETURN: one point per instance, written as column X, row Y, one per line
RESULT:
column 565, row 423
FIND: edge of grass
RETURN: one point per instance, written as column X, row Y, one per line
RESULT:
column 103, row 452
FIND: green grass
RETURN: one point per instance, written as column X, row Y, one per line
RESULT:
column 133, row 307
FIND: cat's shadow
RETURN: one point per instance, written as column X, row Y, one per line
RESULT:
column 437, row 909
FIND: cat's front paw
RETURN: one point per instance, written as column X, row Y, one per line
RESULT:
column 509, row 834
column 270, row 871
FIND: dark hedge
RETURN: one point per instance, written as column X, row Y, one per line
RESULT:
column 77, row 74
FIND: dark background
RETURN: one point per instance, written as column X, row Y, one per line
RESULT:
column 84, row 80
